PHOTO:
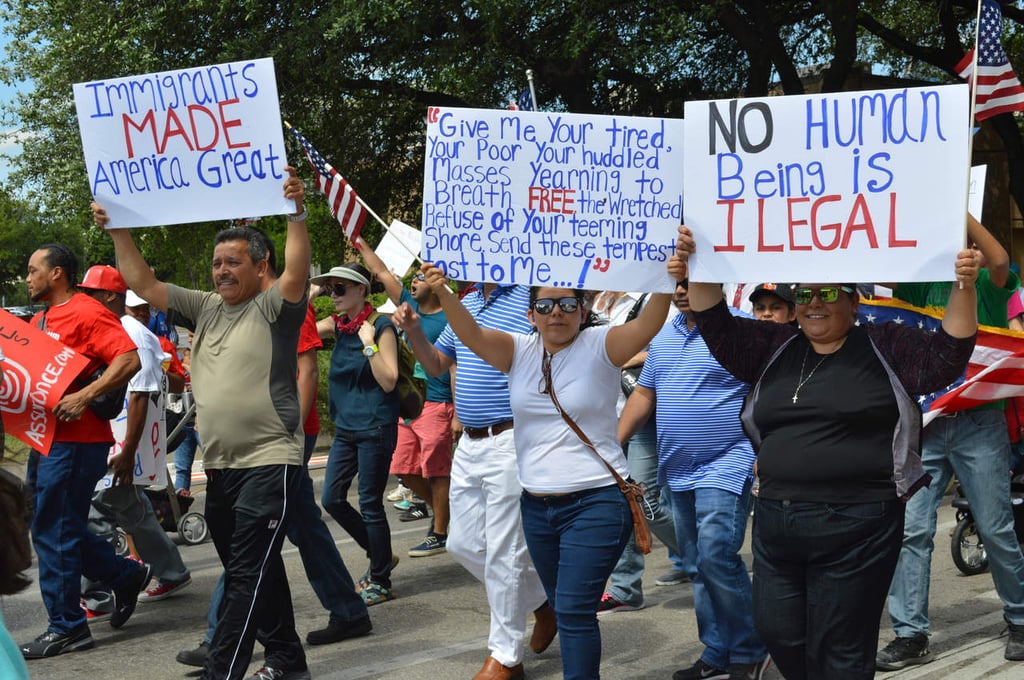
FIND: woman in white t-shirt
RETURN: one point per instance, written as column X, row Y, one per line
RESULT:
column 575, row 519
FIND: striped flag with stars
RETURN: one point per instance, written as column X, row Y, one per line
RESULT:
column 995, row 371
column 999, row 90
column 342, row 200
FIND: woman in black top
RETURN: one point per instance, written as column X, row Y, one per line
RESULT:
column 837, row 434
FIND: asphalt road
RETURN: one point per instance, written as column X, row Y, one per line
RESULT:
column 437, row 626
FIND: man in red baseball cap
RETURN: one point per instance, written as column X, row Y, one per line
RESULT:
column 63, row 478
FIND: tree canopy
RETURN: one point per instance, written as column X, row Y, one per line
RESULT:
column 357, row 76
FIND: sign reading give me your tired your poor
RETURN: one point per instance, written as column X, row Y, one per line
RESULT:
column 553, row 199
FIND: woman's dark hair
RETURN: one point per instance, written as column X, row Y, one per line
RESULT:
column 590, row 319
column 59, row 255
column 375, row 285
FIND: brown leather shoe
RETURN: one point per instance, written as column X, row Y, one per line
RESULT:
column 544, row 628
column 495, row 670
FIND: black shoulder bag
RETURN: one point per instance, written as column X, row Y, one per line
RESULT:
column 107, row 406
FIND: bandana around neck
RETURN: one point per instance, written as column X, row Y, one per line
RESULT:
column 348, row 326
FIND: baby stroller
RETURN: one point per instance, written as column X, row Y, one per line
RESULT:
column 172, row 510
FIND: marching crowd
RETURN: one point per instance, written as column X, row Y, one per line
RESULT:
column 539, row 402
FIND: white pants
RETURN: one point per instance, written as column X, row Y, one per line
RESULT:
column 485, row 535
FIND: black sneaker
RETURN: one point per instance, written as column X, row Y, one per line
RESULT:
column 127, row 596
column 701, row 671
column 750, row 671
column 1015, row 642
column 416, row 511
column 51, row 643
column 268, row 673
column 338, row 630
column 194, row 657
column 903, row 652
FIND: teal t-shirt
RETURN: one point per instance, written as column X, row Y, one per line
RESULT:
column 357, row 401
column 439, row 389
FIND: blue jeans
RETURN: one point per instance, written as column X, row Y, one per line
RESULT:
column 710, row 527
column 184, row 456
column 574, row 541
column 975, row 446
column 368, row 454
column 627, row 579
column 62, row 485
column 820, row 575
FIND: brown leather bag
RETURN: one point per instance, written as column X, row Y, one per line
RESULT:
column 634, row 492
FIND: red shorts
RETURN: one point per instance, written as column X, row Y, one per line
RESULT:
column 425, row 445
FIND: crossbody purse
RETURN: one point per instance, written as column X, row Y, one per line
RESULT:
column 634, row 493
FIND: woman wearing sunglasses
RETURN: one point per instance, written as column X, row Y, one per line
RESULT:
column 832, row 416
column 575, row 519
column 364, row 407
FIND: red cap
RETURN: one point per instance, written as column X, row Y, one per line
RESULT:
column 104, row 277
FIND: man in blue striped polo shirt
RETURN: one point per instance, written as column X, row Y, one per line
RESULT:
column 485, row 533
column 706, row 460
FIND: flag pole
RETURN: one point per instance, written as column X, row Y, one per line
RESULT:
column 970, row 119
column 533, row 93
column 369, row 210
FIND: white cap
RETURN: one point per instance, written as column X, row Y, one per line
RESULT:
column 131, row 299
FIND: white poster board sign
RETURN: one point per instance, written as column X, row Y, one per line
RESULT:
column 976, row 193
column 850, row 186
column 191, row 145
column 397, row 247
column 553, row 199
column 151, row 455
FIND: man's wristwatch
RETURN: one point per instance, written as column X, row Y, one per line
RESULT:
column 370, row 350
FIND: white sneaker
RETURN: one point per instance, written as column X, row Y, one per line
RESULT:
column 400, row 493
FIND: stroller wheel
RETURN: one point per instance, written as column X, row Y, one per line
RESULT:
column 121, row 543
column 192, row 528
column 968, row 551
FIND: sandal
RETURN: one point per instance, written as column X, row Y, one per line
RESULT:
column 374, row 593
column 364, row 580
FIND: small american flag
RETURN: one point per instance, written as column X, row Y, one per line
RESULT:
column 342, row 200
column 526, row 102
column 999, row 90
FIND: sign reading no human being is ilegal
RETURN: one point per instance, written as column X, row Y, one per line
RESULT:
column 552, row 199
column 851, row 186
column 181, row 146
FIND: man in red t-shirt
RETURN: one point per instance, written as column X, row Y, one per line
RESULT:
column 63, row 478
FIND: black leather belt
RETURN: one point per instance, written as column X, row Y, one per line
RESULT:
column 489, row 431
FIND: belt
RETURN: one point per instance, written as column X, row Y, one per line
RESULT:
column 489, row 431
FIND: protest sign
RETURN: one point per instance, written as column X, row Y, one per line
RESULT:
column 397, row 247
column 190, row 145
column 553, row 199
column 151, row 454
column 976, row 193
column 850, row 186
column 37, row 371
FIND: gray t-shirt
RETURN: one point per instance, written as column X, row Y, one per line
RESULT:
column 244, row 368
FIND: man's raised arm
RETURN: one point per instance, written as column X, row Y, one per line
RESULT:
column 392, row 286
column 295, row 278
column 131, row 264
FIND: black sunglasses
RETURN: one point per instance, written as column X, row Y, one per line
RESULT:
column 545, row 306
column 419, row 277
column 338, row 289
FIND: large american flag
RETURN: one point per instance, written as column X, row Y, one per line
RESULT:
column 345, row 206
column 995, row 371
column 999, row 90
